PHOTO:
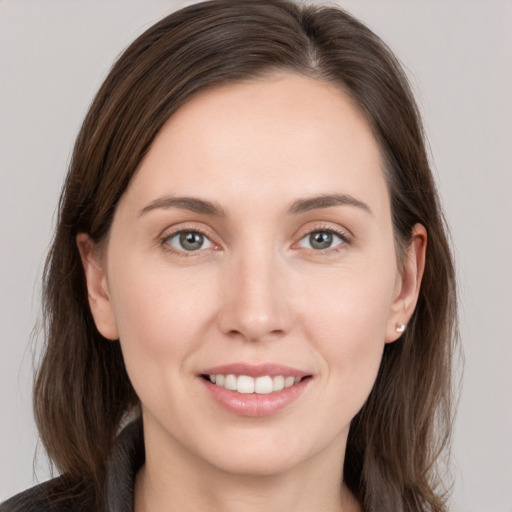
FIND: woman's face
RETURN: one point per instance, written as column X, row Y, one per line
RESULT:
column 254, row 241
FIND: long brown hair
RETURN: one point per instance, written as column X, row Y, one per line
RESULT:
column 82, row 391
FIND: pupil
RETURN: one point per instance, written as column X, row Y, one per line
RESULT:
column 191, row 241
column 321, row 240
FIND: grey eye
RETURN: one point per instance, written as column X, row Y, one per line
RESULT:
column 189, row 241
column 320, row 240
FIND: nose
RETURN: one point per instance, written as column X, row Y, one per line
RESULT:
column 256, row 302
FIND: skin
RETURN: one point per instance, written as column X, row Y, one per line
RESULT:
column 256, row 291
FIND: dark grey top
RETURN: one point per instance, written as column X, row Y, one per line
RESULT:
column 126, row 459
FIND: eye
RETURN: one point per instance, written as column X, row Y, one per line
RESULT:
column 321, row 240
column 188, row 241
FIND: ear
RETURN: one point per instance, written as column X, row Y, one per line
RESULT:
column 97, row 287
column 408, row 284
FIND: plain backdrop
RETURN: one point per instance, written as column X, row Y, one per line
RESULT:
column 458, row 54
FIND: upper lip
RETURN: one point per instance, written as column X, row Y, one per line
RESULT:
column 255, row 370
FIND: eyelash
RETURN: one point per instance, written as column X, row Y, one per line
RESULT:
column 343, row 236
column 183, row 253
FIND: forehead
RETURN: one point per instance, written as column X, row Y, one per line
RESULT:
column 275, row 137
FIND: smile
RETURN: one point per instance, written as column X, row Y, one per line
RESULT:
column 246, row 384
column 255, row 390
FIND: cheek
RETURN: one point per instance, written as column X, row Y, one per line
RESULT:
column 160, row 317
column 350, row 305
column 347, row 320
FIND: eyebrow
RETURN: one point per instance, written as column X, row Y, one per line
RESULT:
column 297, row 207
column 192, row 204
column 325, row 201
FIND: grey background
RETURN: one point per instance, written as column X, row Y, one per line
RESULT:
column 54, row 55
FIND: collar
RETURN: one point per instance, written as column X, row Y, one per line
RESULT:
column 128, row 456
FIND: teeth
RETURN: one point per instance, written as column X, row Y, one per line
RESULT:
column 230, row 382
column 263, row 385
column 245, row 384
column 259, row 385
column 289, row 381
column 277, row 383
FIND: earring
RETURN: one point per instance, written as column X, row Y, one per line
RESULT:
column 400, row 327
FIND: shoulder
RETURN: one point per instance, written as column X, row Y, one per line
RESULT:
column 65, row 494
column 48, row 496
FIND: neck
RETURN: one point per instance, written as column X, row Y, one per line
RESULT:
column 165, row 484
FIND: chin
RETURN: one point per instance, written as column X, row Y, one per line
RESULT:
column 260, row 454
column 266, row 465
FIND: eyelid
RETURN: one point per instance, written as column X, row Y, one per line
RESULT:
column 169, row 233
column 344, row 234
column 327, row 226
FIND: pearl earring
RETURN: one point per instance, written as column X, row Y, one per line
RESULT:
column 400, row 327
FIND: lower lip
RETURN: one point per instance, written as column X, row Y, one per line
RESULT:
column 252, row 404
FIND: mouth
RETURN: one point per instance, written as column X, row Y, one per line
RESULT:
column 254, row 391
column 245, row 384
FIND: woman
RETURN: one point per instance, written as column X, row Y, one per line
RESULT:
column 250, row 299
